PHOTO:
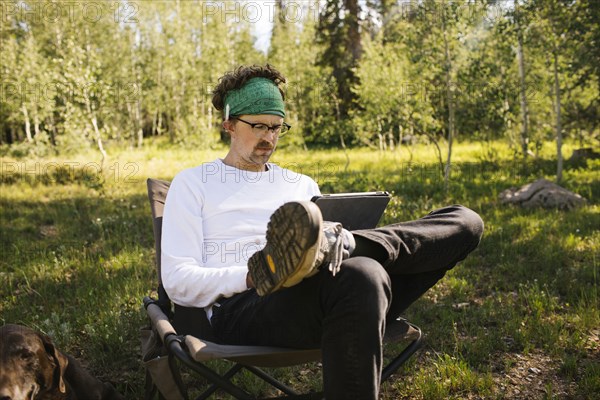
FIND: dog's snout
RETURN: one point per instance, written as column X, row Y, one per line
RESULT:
column 5, row 397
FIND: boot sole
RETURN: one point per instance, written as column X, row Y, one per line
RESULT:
column 293, row 238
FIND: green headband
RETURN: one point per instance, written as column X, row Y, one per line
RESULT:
column 257, row 96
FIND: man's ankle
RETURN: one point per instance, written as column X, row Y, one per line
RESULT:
column 349, row 243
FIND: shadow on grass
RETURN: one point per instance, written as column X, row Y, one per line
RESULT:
column 78, row 269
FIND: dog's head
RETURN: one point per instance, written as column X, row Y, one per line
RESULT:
column 30, row 365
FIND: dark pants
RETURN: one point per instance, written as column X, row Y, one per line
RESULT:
column 346, row 314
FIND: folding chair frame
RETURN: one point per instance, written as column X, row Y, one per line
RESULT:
column 160, row 313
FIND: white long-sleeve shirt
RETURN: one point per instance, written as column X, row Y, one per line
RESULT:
column 215, row 218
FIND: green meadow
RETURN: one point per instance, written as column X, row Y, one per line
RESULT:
column 519, row 319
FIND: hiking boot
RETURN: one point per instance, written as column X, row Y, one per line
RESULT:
column 294, row 236
column 298, row 243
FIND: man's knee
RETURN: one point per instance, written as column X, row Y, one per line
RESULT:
column 367, row 276
column 471, row 224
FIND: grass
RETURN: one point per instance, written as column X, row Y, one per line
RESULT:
column 77, row 258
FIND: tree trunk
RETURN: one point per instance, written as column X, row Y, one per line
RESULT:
column 138, row 104
column 411, row 132
column 559, row 155
column 380, row 139
column 138, row 119
column 438, row 150
column 354, row 41
column 342, row 142
column 159, row 124
column 99, row 142
column 96, row 133
column 154, row 118
column 52, row 131
column 36, row 125
column 13, row 135
column 27, row 124
column 450, row 99
column 523, row 94
column 159, row 103
column 196, row 128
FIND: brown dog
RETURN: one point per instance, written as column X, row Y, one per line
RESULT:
column 31, row 368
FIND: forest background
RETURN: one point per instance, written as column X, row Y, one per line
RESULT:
column 360, row 72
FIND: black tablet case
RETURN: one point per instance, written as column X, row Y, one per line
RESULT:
column 354, row 210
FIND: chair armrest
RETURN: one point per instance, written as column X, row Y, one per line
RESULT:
column 159, row 320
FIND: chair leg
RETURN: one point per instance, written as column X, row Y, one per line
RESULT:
column 289, row 392
column 272, row 381
column 173, row 343
column 219, row 381
column 150, row 389
column 177, row 377
column 402, row 357
column 214, row 387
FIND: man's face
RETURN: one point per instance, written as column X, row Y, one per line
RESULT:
column 249, row 146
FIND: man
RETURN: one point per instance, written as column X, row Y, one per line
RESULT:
column 242, row 241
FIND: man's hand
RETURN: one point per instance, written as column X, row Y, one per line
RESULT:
column 249, row 283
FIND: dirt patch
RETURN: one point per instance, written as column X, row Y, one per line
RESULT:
column 531, row 376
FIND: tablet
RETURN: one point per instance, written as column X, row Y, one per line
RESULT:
column 361, row 210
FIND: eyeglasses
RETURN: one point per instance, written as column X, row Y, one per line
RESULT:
column 261, row 129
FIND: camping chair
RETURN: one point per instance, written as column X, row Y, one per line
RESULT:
column 172, row 342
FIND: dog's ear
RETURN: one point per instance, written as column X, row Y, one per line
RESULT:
column 60, row 363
